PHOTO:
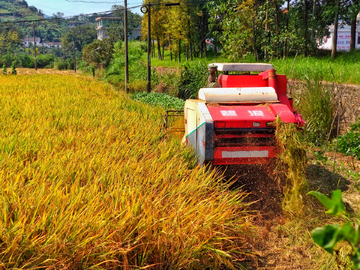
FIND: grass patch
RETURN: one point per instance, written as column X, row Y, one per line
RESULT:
column 344, row 67
column 317, row 103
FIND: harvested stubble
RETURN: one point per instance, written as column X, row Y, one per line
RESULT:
column 89, row 180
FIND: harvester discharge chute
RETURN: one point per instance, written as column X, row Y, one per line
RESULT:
column 234, row 121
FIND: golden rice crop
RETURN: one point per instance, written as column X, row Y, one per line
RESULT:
column 89, row 180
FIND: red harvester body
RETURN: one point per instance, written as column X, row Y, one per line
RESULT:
column 234, row 122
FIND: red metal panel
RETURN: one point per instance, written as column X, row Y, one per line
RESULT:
column 241, row 116
column 283, row 111
column 242, row 81
column 281, row 91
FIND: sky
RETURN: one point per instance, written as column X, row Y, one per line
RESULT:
column 76, row 7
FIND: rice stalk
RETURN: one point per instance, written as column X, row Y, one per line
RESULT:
column 90, row 180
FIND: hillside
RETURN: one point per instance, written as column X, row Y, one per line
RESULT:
column 15, row 9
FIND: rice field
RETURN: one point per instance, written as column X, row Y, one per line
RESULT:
column 89, row 180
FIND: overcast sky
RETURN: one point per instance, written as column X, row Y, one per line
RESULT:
column 75, row 7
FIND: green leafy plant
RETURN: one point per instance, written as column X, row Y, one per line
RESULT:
column 4, row 71
column 328, row 236
column 349, row 143
column 13, row 68
column 158, row 99
column 192, row 78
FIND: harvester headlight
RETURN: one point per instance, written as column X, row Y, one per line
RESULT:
column 256, row 124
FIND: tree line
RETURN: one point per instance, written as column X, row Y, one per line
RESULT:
column 262, row 28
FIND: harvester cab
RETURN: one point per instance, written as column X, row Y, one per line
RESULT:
column 234, row 120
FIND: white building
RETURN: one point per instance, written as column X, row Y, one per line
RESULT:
column 26, row 41
column 102, row 23
column 344, row 36
column 135, row 33
column 51, row 44
column 30, row 40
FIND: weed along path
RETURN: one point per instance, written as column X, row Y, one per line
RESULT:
column 89, row 179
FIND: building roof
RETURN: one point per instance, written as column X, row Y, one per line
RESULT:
column 108, row 18
column 31, row 39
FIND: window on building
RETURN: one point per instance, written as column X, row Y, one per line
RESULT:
column 358, row 39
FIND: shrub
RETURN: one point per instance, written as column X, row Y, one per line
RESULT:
column 193, row 77
column 45, row 61
column 13, row 68
column 65, row 64
column 25, row 60
column 317, row 105
column 98, row 53
column 116, row 70
column 349, row 143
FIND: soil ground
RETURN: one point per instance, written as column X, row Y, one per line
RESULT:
column 284, row 242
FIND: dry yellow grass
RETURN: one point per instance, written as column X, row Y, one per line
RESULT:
column 89, row 180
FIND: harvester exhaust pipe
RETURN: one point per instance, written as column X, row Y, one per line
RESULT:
column 212, row 78
column 212, row 70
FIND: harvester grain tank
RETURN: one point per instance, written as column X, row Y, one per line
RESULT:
column 234, row 120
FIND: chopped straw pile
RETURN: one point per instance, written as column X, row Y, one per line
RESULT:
column 291, row 167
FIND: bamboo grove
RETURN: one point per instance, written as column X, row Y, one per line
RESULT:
column 262, row 28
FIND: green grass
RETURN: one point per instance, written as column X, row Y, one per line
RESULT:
column 345, row 67
column 155, row 62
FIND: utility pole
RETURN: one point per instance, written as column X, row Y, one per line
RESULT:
column 147, row 9
column 34, row 45
column 74, row 56
column 149, row 50
column 126, row 47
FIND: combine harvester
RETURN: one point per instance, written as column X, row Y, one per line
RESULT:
column 234, row 120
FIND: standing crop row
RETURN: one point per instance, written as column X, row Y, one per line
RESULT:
column 89, row 179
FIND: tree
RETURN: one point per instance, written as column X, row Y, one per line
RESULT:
column 57, row 15
column 82, row 35
column 33, row 9
column 350, row 15
column 98, row 53
column 9, row 39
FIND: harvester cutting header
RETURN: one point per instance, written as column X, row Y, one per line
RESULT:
column 234, row 120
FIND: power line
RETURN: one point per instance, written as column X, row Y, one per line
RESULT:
column 97, row 13
column 91, row 2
